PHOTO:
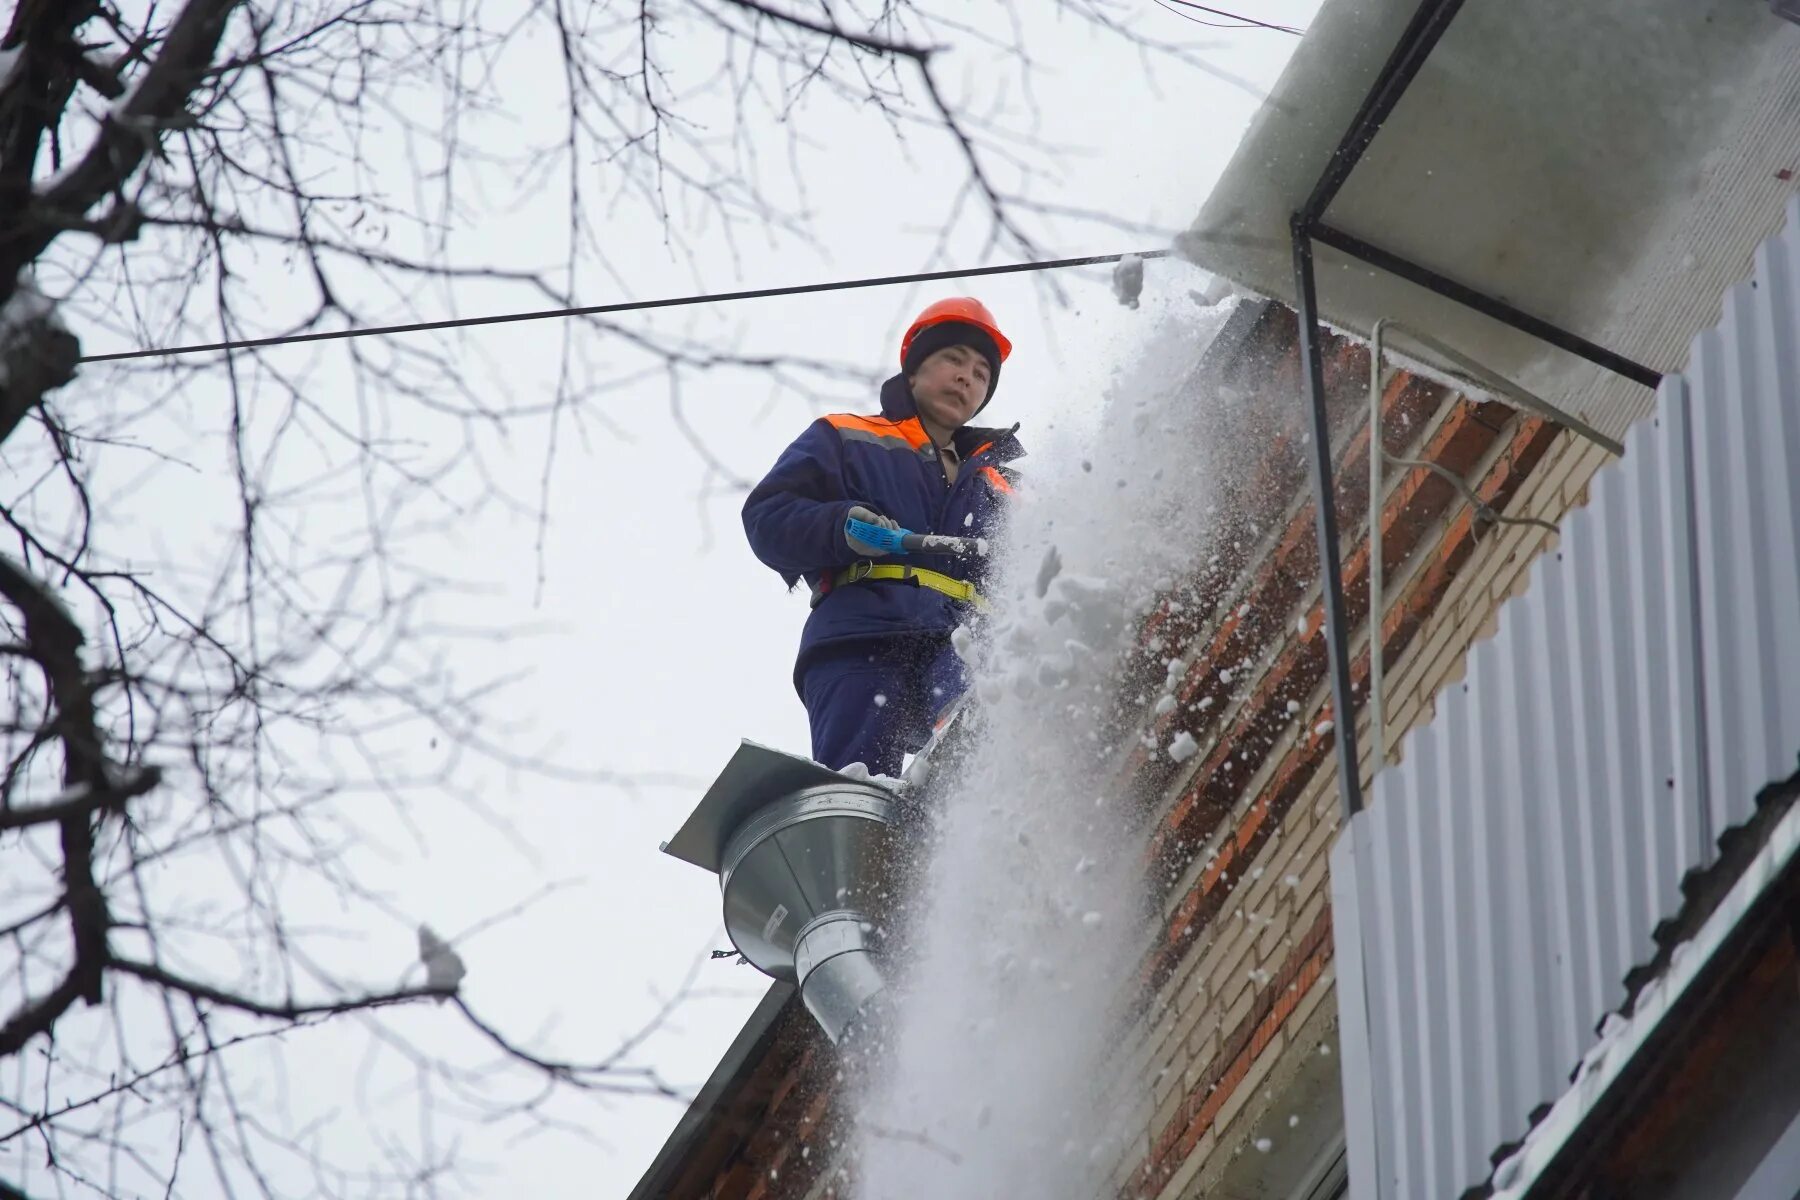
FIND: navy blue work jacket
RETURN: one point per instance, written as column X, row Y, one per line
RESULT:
column 795, row 516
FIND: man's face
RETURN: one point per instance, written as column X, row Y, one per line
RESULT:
column 950, row 385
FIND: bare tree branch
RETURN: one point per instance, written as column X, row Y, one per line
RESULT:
column 232, row 653
column 128, row 132
column 279, row 1010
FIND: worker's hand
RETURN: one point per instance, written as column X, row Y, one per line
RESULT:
column 859, row 547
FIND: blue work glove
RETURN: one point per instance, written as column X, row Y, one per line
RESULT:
column 859, row 547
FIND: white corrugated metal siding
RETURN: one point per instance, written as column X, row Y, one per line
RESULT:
column 1509, row 872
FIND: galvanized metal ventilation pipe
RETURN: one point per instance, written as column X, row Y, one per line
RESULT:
column 802, row 855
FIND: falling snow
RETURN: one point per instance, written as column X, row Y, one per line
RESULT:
column 1128, row 280
column 963, row 640
column 1020, row 835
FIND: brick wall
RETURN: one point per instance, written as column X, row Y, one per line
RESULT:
column 1241, row 984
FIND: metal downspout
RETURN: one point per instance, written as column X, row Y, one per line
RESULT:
column 1377, row 584
column 1337, row 624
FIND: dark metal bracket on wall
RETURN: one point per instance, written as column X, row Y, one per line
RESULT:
column 1427, row 26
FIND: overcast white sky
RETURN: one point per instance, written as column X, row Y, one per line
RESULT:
column 654, row 647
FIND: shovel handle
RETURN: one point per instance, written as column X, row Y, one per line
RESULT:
column 904, row 541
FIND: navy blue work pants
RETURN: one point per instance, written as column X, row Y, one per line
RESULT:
column 873, row 701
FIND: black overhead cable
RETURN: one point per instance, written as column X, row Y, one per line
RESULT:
column 594, row 310
column 1247, row 22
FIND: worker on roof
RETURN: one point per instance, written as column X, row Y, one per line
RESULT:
column 876, row 665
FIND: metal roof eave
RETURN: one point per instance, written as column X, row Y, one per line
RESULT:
column 1603, row 170
column 746, row 1049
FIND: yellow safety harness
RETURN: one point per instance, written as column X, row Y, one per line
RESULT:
column 937, row 581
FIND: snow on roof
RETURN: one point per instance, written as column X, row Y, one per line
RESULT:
column 1608, row 167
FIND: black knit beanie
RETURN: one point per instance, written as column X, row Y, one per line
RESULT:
column 929, row 340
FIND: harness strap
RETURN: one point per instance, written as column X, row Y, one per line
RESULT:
column 957, row 589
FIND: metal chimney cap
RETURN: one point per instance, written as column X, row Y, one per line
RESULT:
column 755, row 776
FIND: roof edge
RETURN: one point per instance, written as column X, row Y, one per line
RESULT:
column 747, row 1047
column 1616, row 1057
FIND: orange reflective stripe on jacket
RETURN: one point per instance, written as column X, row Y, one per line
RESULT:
column 908, row 433
column 998, row 480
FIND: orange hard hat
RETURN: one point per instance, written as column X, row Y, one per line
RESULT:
column 964, row 309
